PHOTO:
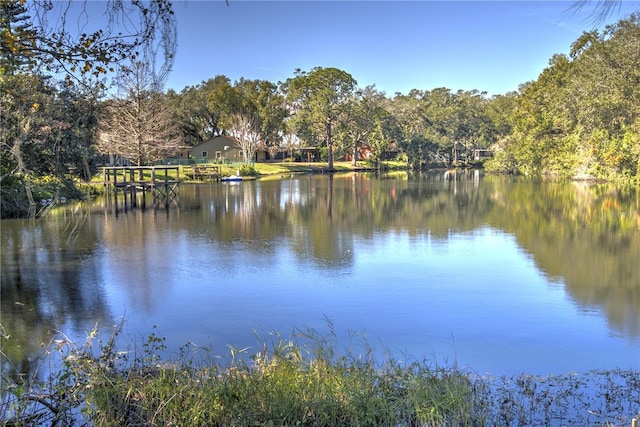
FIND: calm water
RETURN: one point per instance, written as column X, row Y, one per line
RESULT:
column 496, row 274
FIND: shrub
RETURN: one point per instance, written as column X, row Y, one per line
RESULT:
column 248, row 170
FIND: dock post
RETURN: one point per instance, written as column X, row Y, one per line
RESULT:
column 115, row 204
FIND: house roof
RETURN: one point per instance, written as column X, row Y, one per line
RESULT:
column 218, row 138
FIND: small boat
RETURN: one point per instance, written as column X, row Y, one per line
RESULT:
column 232, row 178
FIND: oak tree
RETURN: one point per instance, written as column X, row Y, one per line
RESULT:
column 318, row 99
column 252, row 112
column 198, row 118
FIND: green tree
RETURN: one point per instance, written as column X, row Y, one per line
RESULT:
column 22, row 135
column 368, row 122
column 500, row 113
column 360, row 116
column 37, row 38
column 438, row 125
column 45, row 131
column 198, row 119
column 457, row 122
column 606, row 94
column 16, row 37
column 318, row 100
column 473, row 127
column 262, row 100
column 252, row 112
column 407, row 111
column 580, row 118
column 75, row 116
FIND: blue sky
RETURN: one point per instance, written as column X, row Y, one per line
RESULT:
column 490, row 46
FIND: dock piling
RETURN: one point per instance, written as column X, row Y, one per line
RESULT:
column 163, row 187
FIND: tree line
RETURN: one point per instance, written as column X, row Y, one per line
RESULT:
column 53, row 78
column 580, row 118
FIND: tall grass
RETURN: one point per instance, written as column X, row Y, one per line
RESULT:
column 301, row 380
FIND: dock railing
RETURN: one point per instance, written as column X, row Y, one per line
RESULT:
column 202, row 172
column 161, row 181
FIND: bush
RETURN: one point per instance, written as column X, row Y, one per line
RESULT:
column 50, row 187
column 14, row 202
column 248, row 170
column 324, row 153
column 402, row 157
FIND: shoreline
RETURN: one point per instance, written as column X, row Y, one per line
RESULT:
column 299, row 381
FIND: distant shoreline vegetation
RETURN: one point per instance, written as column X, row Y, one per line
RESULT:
column 297, row 380
column 578, row 120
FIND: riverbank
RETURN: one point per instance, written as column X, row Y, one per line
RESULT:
column 263, row 170
column 282, row 169
column 277, row 168
column 48, row 191
column 299, row 380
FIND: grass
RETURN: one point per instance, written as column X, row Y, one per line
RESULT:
column 277, row 168
column 299, row 380
column 295, row 167
column 280, row 168
column 271, row 170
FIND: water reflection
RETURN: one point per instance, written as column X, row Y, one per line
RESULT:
column 584, row 236
column 293, row 243
column 49, row 281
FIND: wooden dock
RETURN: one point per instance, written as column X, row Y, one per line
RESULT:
column 135, row 180
column 202, row 172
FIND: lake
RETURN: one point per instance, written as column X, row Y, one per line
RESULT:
column 498, row 275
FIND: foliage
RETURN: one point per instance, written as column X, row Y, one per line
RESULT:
column 248, row 170
column 299, row 381
column 251, row 111
column 16, row 37
column 441, row 127
column 197, row 120
column 319, row 99
column 49, row 130
column 580, row 118
column 39, row 35
column 367, row 123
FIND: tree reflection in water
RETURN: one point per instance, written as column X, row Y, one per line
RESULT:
column 584, row 237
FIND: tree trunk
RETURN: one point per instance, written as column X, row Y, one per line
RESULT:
column 140, row 173
column 16, row 151
column 31, row 213
column 355, row 154
column 329, row 147
column 86, row 169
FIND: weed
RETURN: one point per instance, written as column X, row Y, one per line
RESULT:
column 299, row 380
